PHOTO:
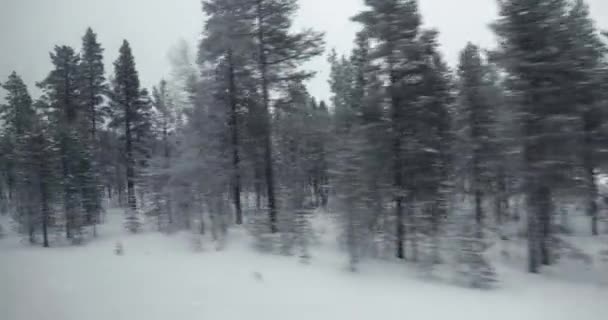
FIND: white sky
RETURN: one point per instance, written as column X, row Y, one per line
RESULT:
column 30, row 28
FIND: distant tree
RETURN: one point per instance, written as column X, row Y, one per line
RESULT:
column 130, row 107
column 161, row 159
column 42, row 167
column 587, row 64
column 533, row 51
column 92, row 89
column 18, row 118
column 65, row 115
column 479, row 125
column 417, row 93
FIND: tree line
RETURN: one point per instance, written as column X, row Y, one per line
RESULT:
column 412, row 157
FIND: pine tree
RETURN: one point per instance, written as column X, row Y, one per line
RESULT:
column 131, row 114
column 530, row 34
column 478, row 124
column 394, row 25
column 92, row 89
column 587, row 65
column 434, row 139
column 62, row 92
column 295, row 124
column 161, row 162
column 41, row 157
column 417, row 91
column 474, row 269
column 360, row 151
column 226, row 47
column 18, row 117
column 280, row 53
column 264, row 26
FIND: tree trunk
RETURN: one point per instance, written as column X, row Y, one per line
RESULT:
column 45, row 215
column 545, row 215
column 269, row 170
column 236, row 187
column 539, row 228
column 397, row 158
column 479, row 212
column 412, row 230
column 591, row 186
column 400, row 228
column 131, row 197
column 533, row 247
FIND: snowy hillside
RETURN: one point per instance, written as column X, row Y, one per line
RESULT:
column 161, row 277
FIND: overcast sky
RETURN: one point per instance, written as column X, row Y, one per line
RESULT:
column 30, row 28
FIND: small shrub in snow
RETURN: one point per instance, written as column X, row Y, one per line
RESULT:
column 132, row 222
column 604, row 256
column 564, row 249
column 118, row 249
column 258, row 276
column 474, row 269
column 196, row 237
column 197, row 242
column 264, row 240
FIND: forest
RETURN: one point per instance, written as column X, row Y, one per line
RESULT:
column 415, row 161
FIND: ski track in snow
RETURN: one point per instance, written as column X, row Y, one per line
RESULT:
column 161, row 277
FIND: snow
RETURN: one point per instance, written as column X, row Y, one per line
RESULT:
column 161, row 277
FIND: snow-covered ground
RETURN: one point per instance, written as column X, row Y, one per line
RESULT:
column 161, row 277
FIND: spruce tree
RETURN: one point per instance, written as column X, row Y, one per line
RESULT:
column 478, row 124
column 131, row 115
column 360, row 149
column 280, row 52
column 417, row 91
column 264, row 27
column 530, row 34
column 92, row 89
column 18, row 117
column 586, row 62
column 161, row 161
column 225, row 46
column 62, row 93
column 41, row 157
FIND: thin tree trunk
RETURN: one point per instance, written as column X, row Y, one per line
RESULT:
column 479, row 212
column 591, row 186
column 131, row 198
column 533, row 235
column 539, row 231
column 30, row 226
column 413, row 230
column 236, row 188
column 269, row 170
column 545, row 220
column 397, row 165
column 66, row 197
column 45, row 215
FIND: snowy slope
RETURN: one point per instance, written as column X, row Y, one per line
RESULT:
column 160, row 277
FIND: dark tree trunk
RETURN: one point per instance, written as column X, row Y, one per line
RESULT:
column 545, row 214
column 397, row 165
column 539, row 228
column 45, row 214
column 131, row 197
column 31, row 230
column 501, row 202
column 479, row 212
column 66, row 192
column 234, row 126
column 413, row 229
column 533, row 236
column 268, row 158
column 591, row 186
